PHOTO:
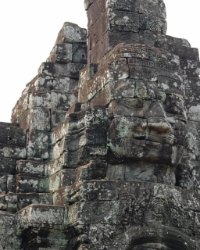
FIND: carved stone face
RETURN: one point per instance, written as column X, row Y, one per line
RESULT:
column 147, row 131
column 153, row 112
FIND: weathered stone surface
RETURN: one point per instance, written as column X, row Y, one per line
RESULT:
column 7, row 165
column 34, row 215
column 49, row 95
column 32, row 168
column 8, row 237
column 106, row 156
column 112, row 22
column 61, row 179
column 12, row 135
column 116, row 206
column 71, row 32
column 26, row 199
column 29, row 184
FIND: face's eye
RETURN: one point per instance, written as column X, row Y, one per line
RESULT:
column 174, row 104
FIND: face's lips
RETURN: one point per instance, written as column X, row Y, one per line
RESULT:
column 125, row 149
column 160, row 132
column 142, row 139
column 162, row 139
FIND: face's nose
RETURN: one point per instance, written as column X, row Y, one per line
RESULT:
column 159, row 130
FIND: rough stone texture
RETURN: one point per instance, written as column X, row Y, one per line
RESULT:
column 111, row 22
column 26, row 177
column 103, row 148
column 49, row 95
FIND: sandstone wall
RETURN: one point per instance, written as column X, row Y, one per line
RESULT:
column 103, row 148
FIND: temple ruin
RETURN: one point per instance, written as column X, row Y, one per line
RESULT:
column 103, row 151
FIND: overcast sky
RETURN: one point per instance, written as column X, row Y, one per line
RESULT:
column 29, row 29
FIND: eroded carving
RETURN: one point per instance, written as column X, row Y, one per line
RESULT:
column 106, row 155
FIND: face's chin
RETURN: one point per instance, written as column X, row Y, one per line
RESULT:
column 141, row 139
column 141, row 160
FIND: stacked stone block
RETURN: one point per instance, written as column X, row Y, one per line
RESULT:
column 27, row 177
column 111, row 22
column 106, row 157
column 135, row 215
column 77, row 149
column 49, row 95
column 12, row 149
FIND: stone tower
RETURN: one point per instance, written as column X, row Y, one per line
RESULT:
column 103, row 151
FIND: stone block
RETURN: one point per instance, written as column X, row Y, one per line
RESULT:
column 39, row 119
column 62, row 178
column 59, row 132
column 71, row 33
column 93, row 170
column 94, row 190
column 79, row 51
column 102, row 98
column 38, row 99
column 26, row 184
column 11, row 200
column 20, row 116
column 48, row 84
column 115, row 71
column 124, row 21
column 78, row 157
column 60, row 70
column 58, row 116
column 3, row 203
column 60, row 196
column 126, row 5
column 3, row 183
column 69, row 144
column 180, row 47
column 123, row 37
column 38, row 144
column 11, row 183
column 11, row 135
column 7, row 165
column 61, row 53
column 11, row 152
column 26, row 199
column 31, row 168
column 41, row 216
column 57, row 164
column 94, row 211
column 69, row 52
column 46, row 69
column 68, row 70
column 154, row 24
column 8, row 238
column 155, row 8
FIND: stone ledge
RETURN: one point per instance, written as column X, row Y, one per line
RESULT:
column 41, row 216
